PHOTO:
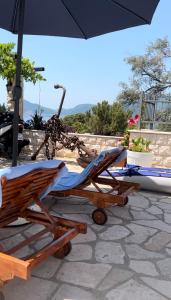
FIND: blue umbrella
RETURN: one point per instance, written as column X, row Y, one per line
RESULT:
column 67, row 18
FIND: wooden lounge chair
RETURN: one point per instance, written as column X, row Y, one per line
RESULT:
column 17, row 195
column 79, row 184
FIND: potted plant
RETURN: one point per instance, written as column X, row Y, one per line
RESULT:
column 139, row 152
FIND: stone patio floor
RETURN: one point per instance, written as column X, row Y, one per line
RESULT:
column 127, row 258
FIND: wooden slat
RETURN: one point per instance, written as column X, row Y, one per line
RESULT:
column 11, row 266
column 18, row 194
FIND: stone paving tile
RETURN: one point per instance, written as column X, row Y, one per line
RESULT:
column 154, row 210
column 80, row 252
column 162, row 286
column 165, row 206
column 79, row 217
column 168, row 250
column 109, row 252
column 155, row 224
column 90, row 236
column 11, row 231
column 13, row 241
column 33, row 229
column 48, row 268
column 114, row 277
column 137, row 252
column 98, row 228
column 32, row 289
column 121, row 212
column 133, row 290
column 140, row 233
column 144, row 267
column 138, row 201
column 114, row 220
column 151, row 195
column 142, row 215
column 43, row 241
column 167, row 218
column 169, row 245
column 166, row 199
column 83, row 274
column 165, row 266
column 71, row 200
column 127, row 258
column 68, row 292
column 69, row 208
column 158, row 241
column 115, row 232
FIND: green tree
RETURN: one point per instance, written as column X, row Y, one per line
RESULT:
column 106, row 119
column 8, row 65
column 36, row 121
column 150, row 72
column 77, row 121
column 8, row 68
column 119, row 120
column 100, row 118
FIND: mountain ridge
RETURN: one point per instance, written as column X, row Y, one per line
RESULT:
column 30, row 108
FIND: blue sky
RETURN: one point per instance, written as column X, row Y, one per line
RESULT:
column 91, row 70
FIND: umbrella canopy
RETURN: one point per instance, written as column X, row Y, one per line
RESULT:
column 68, row 18
column 75, row 18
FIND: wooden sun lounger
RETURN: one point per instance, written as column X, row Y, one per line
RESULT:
column 18, row 194
column 116, row 192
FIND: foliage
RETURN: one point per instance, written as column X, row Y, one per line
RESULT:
column 3, row 108
column 100, row 118
column 150, row 69
column 125, row 141
column 119, row 118
column 67, row 128
column 36, row 122
column 139, row 144
column 76, row 122
column 8, row 65
column 132, row 124
column 150, row 73
column 106, row 119
column 129, row 95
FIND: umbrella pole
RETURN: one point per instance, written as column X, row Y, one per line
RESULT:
column 17, row 87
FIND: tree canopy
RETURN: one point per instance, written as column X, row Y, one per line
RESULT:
column 150, row 72
column 77, row 121
column 102, row 119
column 108, row 119
column 8, row 65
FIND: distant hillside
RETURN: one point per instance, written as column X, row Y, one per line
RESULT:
column 30, row 108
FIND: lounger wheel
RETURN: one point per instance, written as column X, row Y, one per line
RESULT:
column 125, row 202
column 99, row 216
column 63, row 251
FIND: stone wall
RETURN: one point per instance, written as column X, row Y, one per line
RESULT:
column 36, row 137
column 160, row 145
column 91, row 141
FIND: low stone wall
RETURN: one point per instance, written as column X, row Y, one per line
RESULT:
column 36, row 137
column 91, row 141
column 160, row 145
